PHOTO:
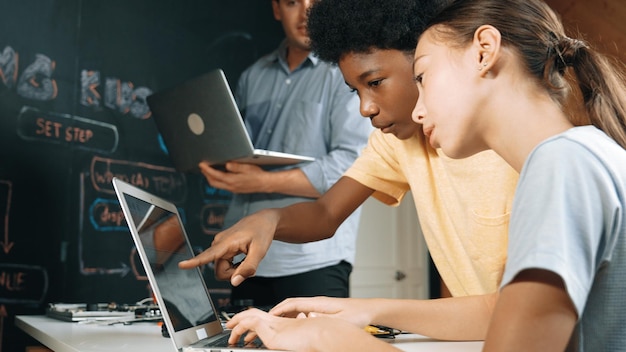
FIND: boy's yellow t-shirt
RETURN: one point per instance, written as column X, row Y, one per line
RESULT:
column 463, row 205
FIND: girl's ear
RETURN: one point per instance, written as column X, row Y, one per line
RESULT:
column 487, row 41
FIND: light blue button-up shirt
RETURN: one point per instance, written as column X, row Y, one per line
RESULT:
column 312, row 112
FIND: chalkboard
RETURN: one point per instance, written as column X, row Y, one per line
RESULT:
column 74, row 76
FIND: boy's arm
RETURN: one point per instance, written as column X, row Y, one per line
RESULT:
column 298, row 223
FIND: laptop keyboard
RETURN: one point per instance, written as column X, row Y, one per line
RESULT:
column 223, row 341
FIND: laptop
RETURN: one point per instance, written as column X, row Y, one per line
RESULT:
column 188, row 312
column 199, row 121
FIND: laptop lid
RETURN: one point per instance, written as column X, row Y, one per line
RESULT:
column 161, row 240
column 199, row 121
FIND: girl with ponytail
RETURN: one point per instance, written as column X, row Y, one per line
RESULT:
column 495, row 74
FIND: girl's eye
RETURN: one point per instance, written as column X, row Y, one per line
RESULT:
column 375, row 83
column 418, row 78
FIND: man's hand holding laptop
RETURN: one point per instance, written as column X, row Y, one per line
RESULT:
column 235, row 177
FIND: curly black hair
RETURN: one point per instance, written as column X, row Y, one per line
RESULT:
column 338, row 27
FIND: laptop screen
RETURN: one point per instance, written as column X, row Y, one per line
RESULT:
column 163, row 240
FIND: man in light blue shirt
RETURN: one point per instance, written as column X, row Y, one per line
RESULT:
column 295, row 103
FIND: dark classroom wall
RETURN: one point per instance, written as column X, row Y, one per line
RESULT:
column 74, row 75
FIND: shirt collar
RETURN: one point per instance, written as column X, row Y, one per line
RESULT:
column 281, row 54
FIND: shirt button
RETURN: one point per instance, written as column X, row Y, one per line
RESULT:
column 288, row 81
column 269, row 131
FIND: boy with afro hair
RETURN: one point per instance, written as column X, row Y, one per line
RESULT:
column 463, row 205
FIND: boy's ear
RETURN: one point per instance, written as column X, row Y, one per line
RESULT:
column 487, row 41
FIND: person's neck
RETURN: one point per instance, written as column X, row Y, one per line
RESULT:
column 528, row 123
column 295, row 57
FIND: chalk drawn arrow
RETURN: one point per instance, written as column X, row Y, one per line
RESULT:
column 6, row 244
column 123, row 271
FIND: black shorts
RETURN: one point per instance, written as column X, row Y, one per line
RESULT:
column 332, row 281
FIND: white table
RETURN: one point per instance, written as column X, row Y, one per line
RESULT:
column 61, row 336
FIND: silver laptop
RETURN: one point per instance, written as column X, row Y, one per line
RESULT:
column 199, row 121
column 188, row 311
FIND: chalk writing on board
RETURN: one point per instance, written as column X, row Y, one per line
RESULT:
column 21, row 283
column 8, row 66
column 37, row 83
column 118, row 95
column 6, row 189
column 65, row 129
column 89, row 81
column 126, row 99
column 106, row 215
column 159, row 180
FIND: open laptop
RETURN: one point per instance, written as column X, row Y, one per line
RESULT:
column 187, row 309
column 199, row 121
